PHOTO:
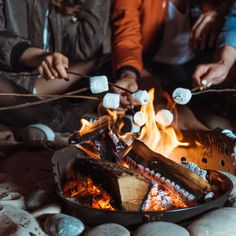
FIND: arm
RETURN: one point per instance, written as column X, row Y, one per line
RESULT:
column 225, row 56
column 88, row 31
column 126, row 34
column 126, row 46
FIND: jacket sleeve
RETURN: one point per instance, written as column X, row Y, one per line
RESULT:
column 84, row 34
column 126, row 34
column 11, row 45
column 228, row 34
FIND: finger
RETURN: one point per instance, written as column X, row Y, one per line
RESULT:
column 193, row 40
column 124, row 101
column 133, row 87
column 49, row 62
column 59, row 66
column 198, row 74
column 198, row 21
column 46, row 71
column 209, row 77
column 65, row 62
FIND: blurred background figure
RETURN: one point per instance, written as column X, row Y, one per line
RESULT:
column 39, row 41
column 160, row 43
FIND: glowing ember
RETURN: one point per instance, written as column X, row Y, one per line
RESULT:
column 87, row 193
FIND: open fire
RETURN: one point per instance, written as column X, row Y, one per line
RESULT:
column 126, row 172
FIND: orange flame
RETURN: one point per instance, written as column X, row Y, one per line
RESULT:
column 161, row 141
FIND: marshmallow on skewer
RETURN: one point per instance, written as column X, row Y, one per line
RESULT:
column 141, row 97
column 164, row 117
column 111, row 100
column 139, row 118
column 182, row 96
column 98, row 84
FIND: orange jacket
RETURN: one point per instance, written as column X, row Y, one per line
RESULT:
column 137, row 28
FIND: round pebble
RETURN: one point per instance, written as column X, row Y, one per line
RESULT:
column 53, row 208
column 108, row 230
column 15, row 221
column 36, row 199
column 63, row 225
column 220, row 222
column 161, row 229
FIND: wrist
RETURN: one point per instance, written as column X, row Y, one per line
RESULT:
column 32, row 57
column 130, row 71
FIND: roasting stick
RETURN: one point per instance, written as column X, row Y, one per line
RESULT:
column 110, row 83
column 50, row 99
column 214, row 91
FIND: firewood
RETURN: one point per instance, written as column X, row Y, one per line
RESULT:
column 126, row 187
column 189, row 180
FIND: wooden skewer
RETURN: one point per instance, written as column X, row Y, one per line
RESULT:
column 87, row 77
column 50, row 99
column 214, row 91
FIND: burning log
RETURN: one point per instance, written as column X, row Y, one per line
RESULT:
column 126, row 187
column 161, row 165
column 91, row 131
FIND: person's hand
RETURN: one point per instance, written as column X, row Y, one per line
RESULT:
column 213, row 73
column 53, row 66
column 206, row 29
column 127, row 80
column 50, row 65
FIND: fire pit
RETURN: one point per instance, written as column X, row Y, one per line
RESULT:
column 63, row 159
column 130, row 179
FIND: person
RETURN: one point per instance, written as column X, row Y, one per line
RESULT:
column 216, row 72
column 40, row 41
column 161, row 42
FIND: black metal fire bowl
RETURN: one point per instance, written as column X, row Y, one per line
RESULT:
column 62, row 160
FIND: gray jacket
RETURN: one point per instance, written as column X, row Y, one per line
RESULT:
column 22, row 23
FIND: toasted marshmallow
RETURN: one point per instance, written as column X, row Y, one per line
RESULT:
column 98, row 84
column 182, row 96
column 141, row 97
column 139, row 118
column 164, row 117
column 111, row 100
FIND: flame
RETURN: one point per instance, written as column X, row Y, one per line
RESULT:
column 86, row 126
column 162, row 140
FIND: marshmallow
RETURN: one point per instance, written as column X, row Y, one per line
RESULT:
column 98, row 84
column 164, row 117
column 111, row 100
column 182, row 96
column 139, row 118
column 141, row 97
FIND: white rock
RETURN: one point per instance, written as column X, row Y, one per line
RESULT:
column 164, row 117
column 141, row 97
column 15, row 221
column 182, row 96
column 53, row 208
column 220, row 222
column 111, row 100
column 109, row 230
column 161, row 229
column 98, row 84
column 139, row 118
column 13, row 199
